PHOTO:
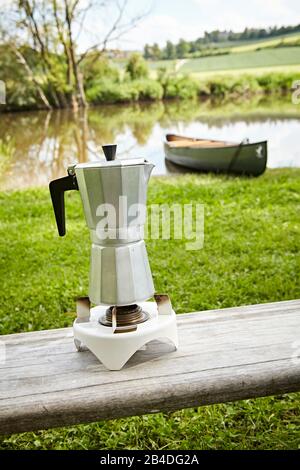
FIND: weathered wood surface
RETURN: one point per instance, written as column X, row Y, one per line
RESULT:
column 224, row 355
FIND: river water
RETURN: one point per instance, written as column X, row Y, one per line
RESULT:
column 38, row 146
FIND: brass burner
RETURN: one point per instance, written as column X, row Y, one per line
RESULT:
column 126, row 316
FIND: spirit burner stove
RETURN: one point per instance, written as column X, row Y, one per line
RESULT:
column 114, row 334
column 114, row 195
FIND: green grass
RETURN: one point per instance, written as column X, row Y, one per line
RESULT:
column 243, row 60
column 253, row 71
column 266, row 43
column 258, row 43
column 156, row 64
column 232, row 46
column 251, row 255
column 250, row 55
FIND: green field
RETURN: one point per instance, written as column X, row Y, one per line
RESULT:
column 243, row 60
column 250, row 255
column 256, row 56
column 254, row 71
column 266, row 43
column 252, row 44
column 286, row 59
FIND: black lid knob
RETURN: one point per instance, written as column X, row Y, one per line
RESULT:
column 110, row 151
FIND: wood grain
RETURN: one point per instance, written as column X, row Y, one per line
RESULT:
column 224, row 355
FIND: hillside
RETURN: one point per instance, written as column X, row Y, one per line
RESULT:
column 249, row 59
column 279, row 54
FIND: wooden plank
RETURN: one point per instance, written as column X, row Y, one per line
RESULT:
column 224, row 355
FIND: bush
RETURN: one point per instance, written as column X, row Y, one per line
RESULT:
column 109, row 92
column 276, row 82
column 218, row 87
column 105, row 91
column 203, row 89
column 244, row 85
column 226, row 86
column 267, row 82
column 149, row 90
column 137, row 67
column 180, row 87
column 95, row 69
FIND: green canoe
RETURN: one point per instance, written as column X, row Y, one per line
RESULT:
column 216, row 155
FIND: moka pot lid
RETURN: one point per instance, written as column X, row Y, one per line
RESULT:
column 110, row 160
column 107, row 163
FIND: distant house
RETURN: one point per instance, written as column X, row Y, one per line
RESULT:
column 119, row 54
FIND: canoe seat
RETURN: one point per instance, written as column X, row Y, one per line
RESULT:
column 199, row 143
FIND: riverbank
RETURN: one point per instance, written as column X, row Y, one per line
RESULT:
column 170, row 87
column 250, row 255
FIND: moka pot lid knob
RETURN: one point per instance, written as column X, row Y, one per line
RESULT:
column 110, row 151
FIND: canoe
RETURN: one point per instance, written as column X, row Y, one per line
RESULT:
column 217, row 155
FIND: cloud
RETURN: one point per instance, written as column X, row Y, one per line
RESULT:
column 236, row 15
column 190, row 18
column 158, row 28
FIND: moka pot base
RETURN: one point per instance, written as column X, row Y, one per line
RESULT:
column 114, row 348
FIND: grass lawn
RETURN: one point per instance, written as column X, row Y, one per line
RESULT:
column 250, row 255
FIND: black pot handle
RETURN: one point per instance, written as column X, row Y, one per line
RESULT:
column 57, row 190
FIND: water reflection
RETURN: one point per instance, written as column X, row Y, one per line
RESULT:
column 40, row 145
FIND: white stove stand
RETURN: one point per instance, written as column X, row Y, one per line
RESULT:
column 115, row 349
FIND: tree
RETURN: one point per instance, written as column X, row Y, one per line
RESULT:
column 147, row 51
column 170, row 50
column 155, row 52
column 136, row 67
column 182, row 48
column 52, row 30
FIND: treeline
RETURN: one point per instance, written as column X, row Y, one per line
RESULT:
column 211, row 40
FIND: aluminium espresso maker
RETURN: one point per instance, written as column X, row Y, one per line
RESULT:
column 114, row 193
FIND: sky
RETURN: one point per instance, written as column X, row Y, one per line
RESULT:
column 188, row 19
